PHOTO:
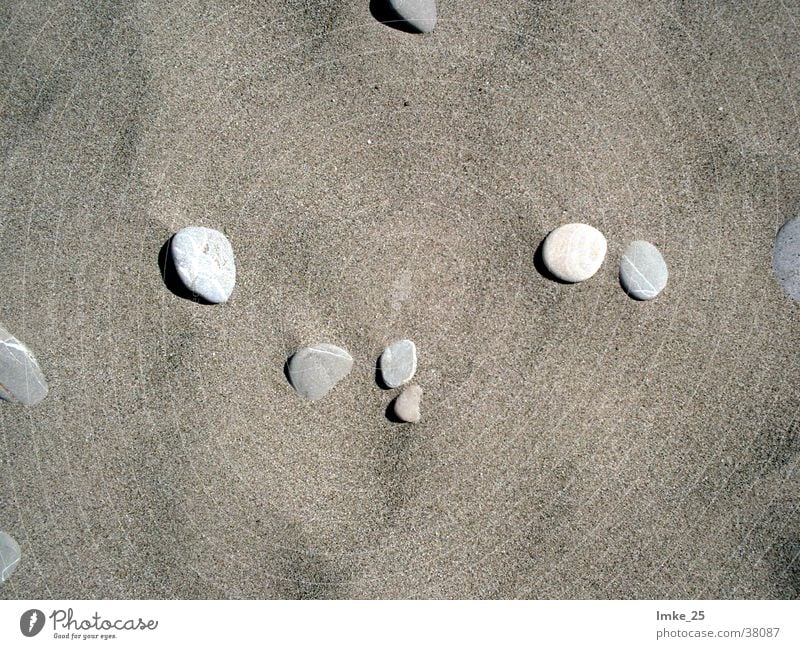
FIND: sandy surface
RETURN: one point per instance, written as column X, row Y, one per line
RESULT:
column 378, row 185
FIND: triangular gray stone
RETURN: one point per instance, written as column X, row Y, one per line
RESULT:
column 314, row 370
column 20, row 377
column 9, row 556
column 419, row 15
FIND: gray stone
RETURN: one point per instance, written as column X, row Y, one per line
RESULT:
column 419, row 15
column 642, row 271
column 204, row 261
column 20, row 377
column 313, row 371
column 574, row 252
column 9, row 556
column 786, row 257
column 406, row 406
column 398, row 363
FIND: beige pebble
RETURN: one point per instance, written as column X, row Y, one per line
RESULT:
column 406, row 406
column 574, row 252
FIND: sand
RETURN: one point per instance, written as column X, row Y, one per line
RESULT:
column 378, row 185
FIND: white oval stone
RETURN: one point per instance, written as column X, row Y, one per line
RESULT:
column 406, row 406
column 420, row 15
column 398, row 363
column 9, row 556
column 574, row 252
column 20, row 377
column 204, row 261
column 642, row 271
column 314, row 370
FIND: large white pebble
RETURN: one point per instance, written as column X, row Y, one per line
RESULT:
column 204, row 261
column 574, row 252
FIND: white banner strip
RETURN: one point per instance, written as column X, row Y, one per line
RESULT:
column 378, row 624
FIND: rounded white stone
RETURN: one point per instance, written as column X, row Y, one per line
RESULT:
column 574, row 252
column 204, row 261
column 406, row 406
column 314, row 370
column 398, row 363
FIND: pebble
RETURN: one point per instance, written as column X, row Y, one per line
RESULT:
column 642, row 271
column 9, row 556
column 398, row 363
column 20, row 377
column 419, row 15
column 406, row 406
column 204, row 261
column 574, row 252
column 786, row 257
column 314, row 370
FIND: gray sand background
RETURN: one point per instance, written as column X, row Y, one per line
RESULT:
column 377, row 185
